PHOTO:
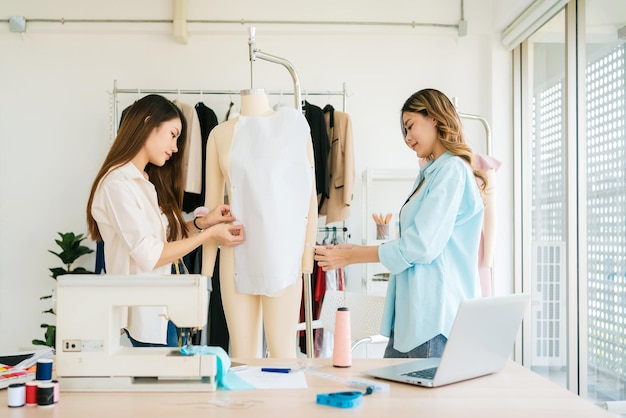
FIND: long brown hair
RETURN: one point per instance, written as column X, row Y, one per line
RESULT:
column 435, row 104
column 144, row 116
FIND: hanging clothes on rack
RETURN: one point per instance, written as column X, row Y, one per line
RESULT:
column 207, row 120
column 321, row 147
column 325, row 280
column 193, row 159
column 341, row 173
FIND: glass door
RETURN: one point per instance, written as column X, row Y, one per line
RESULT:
column 605, row 132
column 545, row 163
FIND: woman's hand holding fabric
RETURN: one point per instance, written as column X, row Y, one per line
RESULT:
column 220, row 214
column 227, row 234
column 332, row 257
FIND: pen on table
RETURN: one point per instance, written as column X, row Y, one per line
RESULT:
column 276, row 369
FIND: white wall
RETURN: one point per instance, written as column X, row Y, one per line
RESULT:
column 55, row 108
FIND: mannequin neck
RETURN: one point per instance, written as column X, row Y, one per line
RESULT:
column 254, row 102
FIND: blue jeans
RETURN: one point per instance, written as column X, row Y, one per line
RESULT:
column 431, row 348
column 172, row 338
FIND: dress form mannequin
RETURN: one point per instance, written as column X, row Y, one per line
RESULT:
column 488, row 165
column 247, row 315
column 485, row 261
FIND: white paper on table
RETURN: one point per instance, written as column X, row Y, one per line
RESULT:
column 295, row 379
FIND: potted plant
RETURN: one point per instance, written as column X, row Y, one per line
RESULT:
column 71, row 250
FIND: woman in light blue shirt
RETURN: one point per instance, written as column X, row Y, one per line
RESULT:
column 434, row 262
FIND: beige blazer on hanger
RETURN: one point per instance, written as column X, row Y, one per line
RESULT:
column 341, row 168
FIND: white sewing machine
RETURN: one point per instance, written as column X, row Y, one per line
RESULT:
column 91, row 311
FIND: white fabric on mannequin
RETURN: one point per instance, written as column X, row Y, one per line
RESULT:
column 266, row 151
column 245, row 312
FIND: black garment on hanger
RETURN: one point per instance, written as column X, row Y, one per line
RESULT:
column 327, row 109
column 208, row 121
column 331, row 109
column 321, row 147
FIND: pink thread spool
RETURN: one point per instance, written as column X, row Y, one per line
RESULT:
column 342, row 355
column 57, row 391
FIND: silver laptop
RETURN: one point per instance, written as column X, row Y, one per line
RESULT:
column 480, row 343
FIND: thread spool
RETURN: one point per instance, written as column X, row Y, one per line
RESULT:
column 342, row 355
column 44, row 370
column 57, row 390
column 45, row 394
column 16, row 395
column 31, row 393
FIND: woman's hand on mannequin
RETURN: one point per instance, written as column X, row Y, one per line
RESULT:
column 227, row 234
column 220, row 214
column 224, row 233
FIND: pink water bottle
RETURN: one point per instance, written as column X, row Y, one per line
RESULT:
column 342, row 355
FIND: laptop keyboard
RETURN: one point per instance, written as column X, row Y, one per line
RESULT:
column 422, row 374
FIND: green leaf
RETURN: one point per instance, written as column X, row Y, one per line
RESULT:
column 70, row 243
column 51, row 336
column 57, row 271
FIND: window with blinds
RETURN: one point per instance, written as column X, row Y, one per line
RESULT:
column 548, row 318
column 606, row 212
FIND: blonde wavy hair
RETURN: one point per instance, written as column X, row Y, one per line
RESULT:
column 435, row 104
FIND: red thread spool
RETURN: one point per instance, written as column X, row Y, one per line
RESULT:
column 342, row 354
column 31, row 393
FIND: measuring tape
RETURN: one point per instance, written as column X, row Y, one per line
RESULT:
column 353, row 382
column 340, row 399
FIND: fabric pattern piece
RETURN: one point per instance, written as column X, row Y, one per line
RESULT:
column 271, row 185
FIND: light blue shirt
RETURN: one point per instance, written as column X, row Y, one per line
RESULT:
column 434, row 262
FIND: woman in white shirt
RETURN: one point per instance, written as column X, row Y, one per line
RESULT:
column 135, row 206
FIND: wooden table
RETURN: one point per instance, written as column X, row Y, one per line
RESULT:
column 514, row 392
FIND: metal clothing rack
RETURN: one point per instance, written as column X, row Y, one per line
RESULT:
column 335, row 230
column 485, row 124
column 479, row 118
column 201, row 92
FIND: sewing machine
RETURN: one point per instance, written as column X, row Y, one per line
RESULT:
column 91, row 311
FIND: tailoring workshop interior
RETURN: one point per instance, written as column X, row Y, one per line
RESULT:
column 540, row 86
